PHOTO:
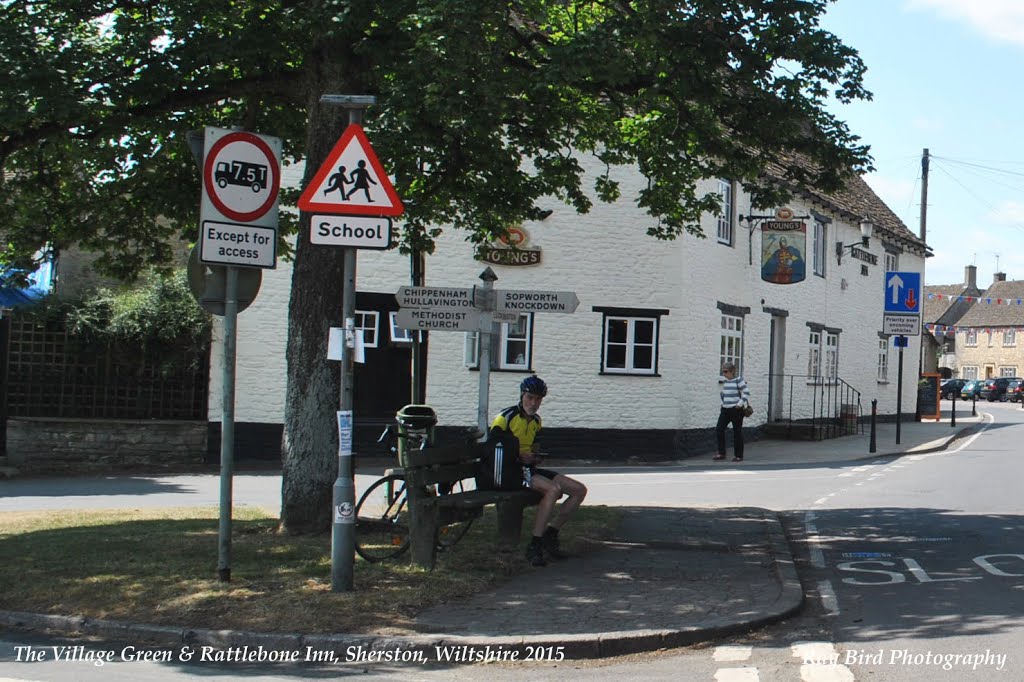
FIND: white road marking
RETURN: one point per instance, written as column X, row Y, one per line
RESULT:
column 826, row 673
column 811, row 531
column 737, row 675
column 828, row 597
column 817, row 557
column 819, row 652
column 733, row 653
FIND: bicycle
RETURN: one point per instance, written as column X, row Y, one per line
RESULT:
column 382, row 525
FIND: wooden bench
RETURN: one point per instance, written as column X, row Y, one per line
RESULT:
column 446, row 466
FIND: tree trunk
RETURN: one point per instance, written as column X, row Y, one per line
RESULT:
column 310, row 440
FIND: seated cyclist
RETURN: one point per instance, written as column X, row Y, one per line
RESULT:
column 524, row 423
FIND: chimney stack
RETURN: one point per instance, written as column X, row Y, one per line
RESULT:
column 999, row 277
column 971, row 277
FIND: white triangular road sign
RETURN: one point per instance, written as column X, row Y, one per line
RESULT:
column 351, row 181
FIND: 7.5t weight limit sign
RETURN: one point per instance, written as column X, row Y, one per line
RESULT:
column 238, row 214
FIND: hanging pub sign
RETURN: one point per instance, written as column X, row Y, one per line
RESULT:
column 783, row 245
column 513, row 249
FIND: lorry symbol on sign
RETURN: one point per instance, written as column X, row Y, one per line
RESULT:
column 243, row 173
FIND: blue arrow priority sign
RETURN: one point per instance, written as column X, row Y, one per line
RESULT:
column 903, row 292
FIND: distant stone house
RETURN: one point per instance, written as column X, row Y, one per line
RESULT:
column 990, row 336
column 944, row 306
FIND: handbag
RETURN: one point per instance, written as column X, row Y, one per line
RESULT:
column 748, row 410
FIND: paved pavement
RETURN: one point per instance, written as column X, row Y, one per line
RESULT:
column 670, row 577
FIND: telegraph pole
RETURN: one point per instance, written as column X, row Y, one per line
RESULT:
column 924, row 194
column 923, row 233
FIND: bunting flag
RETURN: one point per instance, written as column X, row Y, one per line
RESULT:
column 977, row 299
column 987, row 300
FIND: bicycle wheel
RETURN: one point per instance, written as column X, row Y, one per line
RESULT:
column 382, row 523
column 448, row 535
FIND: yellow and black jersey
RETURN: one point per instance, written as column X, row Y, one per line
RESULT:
column 520, row 425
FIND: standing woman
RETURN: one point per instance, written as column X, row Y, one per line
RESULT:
column 735, row 398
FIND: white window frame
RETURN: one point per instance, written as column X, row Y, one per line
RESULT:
column 814, row 355
column 1007, row 371
column 990, row 335
column 471, row 349
column 831, row 356
column 726, row 233
column 883, row 360
column 970, row 337
column 522, row 334
column 969, row 372
column 730, row 347
column 371, row 330
column 1009, row 337
column 471, row 346
column 819, row 241
column 822, row 356
column 398, row 334
column 631, row 344
column 892, row 261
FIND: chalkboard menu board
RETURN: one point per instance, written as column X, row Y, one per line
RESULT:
column 928, row 396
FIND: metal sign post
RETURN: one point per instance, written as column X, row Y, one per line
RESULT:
column 485, row 296
column 343, row 541
column 899, row 391
column 238, row 218
column 227, row 430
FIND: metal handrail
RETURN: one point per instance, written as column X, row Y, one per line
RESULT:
column 826, row 407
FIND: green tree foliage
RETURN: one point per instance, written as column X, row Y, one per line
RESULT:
column 97, row 95
column 158, row 312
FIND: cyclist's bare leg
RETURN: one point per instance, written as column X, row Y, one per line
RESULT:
column 550, row 493
column 575, row 491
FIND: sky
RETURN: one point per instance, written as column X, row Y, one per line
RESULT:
column 946, row 75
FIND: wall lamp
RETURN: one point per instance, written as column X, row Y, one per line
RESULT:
column 866, row 228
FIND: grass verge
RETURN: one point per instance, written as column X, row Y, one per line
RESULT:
column 160, row 566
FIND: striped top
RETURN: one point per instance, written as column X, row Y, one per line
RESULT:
column 735, row 393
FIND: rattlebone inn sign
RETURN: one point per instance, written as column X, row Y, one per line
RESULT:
column 513, row 249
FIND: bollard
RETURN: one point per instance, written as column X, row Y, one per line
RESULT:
column 952, row 419
column 874, row 411
column 974, row 405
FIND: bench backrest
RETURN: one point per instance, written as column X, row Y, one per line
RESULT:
column 443, row 464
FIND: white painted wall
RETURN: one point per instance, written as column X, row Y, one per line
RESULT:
column 608, row 260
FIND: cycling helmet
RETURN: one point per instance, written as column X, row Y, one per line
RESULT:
column 534, row 385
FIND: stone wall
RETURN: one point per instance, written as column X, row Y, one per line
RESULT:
column 44, row 444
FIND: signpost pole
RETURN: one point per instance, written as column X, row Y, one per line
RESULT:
column 343, row 541
column 226, row 216
column 418, row 346
column 227, row 428
column 899, row 396
column 487, row 305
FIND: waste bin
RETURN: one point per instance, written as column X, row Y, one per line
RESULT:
column 415, row 429
column 848, row 418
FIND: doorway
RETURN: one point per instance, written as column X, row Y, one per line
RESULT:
column 777, row 367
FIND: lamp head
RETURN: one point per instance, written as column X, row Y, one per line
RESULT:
column 866, row 228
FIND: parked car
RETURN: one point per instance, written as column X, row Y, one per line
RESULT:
column 971, row 389
column 951, row 387
column 995, row 389
column 1015, row 390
